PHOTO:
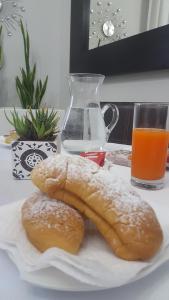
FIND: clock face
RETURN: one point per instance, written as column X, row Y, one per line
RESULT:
column 107, row 24
column 108, row 28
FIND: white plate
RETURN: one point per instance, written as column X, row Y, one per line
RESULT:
column 54, row 279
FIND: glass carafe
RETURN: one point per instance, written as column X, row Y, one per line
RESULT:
column 84, row 127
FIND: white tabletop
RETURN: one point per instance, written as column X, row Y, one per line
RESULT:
column 154, row 287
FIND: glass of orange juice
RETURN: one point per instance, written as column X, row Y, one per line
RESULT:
column 150, row 139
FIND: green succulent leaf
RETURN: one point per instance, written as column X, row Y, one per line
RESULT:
column 30, row 91
column 35, row 125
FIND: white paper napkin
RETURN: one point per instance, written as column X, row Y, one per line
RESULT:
column 94, row 265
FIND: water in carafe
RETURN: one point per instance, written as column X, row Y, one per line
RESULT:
column 83, row 128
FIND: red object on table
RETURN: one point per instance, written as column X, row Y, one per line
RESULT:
column 97, row 157
column 168, row 159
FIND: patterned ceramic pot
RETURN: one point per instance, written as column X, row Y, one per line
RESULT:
column 27, row 154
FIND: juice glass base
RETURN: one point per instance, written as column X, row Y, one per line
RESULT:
column 148, row 184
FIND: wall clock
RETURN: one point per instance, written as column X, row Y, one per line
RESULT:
column 10, row 14
column 141, row 52
column 107, row 23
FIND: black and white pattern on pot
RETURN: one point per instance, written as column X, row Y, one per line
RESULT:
column 30, row 158
column 27, row 154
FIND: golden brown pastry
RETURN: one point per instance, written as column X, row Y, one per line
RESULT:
column 126, row 222
column 51, row 223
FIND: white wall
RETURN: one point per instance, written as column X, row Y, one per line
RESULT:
column 149, row 86
column 49, row 27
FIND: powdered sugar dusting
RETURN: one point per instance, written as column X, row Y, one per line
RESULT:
column 56, row 161
column 39, row 209
column 115, row 195
column 128, row 205
column 48, row 166
column 117, row 202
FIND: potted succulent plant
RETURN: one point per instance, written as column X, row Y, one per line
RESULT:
column 29, row 90
column 37, row 139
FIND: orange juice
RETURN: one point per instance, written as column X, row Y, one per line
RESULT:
column 149, row 153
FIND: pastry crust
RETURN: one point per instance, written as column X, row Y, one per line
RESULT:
column 127, row 223
column 51, row 223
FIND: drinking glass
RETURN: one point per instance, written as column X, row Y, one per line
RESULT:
column 150, row 138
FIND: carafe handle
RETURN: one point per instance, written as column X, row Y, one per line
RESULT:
column 114, row 120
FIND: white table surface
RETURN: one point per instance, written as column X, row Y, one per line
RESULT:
column 153, row 287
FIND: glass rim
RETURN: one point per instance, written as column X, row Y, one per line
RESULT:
column 151, row 103
column 87, row 75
